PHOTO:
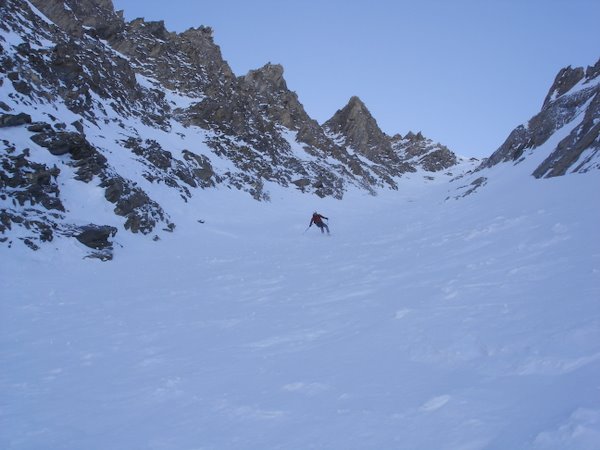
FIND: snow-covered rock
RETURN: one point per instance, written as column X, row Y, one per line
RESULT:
column 571, row 109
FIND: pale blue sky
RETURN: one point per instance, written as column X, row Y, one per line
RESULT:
column 463, row 72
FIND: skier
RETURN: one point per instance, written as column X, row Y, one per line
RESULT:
column 317, row 219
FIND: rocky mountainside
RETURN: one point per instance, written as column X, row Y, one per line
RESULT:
column 571, row 115
column 563, row 138
column 358, row 130
column 354, row 128
column 92, row 103
column 128, row 112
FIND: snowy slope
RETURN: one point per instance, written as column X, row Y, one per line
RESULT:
column 420, row 323
column 443, row 315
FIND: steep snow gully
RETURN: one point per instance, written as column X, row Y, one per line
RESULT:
column 420, row 323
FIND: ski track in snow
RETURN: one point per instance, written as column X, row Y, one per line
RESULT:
column 419, row 324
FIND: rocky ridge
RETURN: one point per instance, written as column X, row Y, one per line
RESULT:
column 354, row 128
column 563, row 138
column 572, row 105
column 83, row 85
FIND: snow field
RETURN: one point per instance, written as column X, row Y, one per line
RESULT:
column 420, row 323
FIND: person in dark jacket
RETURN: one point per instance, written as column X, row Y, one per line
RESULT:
column 317, row 219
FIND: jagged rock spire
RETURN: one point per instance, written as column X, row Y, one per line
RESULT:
column 359, row 129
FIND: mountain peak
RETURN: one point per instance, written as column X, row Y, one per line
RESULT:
column 356, row 102
column 354, row 114
column 567, row 78
column 573, row 94
column 269, row 76
column 564, row 82
column 359, row 129
column 202, row 30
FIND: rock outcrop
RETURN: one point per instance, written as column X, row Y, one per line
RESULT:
column 419, row 151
